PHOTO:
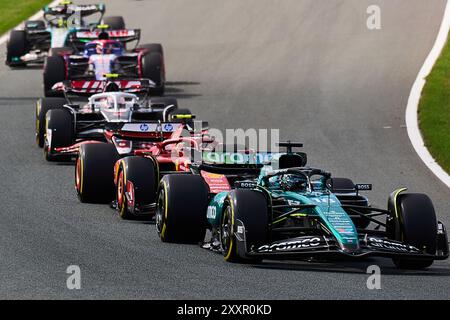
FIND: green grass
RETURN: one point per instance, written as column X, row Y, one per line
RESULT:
column 434, row 110
column 12, row 12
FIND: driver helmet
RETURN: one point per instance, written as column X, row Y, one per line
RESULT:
column 112, row 87
column 293, row 182
column 104, row 35
column 99, row 48
column 121, row 102
column 103, row 48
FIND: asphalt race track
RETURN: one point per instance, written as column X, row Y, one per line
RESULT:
column 308, row 67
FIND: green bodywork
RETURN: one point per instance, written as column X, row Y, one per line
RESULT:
column 327, row 210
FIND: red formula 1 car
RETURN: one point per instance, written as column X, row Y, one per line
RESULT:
column 104, row 174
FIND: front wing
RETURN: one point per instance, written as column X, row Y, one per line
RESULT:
column 313, row 246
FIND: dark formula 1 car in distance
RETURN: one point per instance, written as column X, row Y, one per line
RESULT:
column 102, row 51
column 255, row 212
column 56, row 31
column 113, row 108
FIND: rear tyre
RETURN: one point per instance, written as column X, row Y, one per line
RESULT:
column 16, row 47
column 153, row 47
column 162, row 102
column 58, row 133
column 250, row 207
column 137, row 177
column 414, row 224
column 54, row 72
column 42, row 106
column 94, row 173
column 153, row 69
column 115, row 23
column 181, row 208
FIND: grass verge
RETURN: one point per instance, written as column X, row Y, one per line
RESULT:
column 434, row 110
column 12, row 12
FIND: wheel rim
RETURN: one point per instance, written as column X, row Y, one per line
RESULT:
column 120, row 192
column 225, row 230
column 38, row 131
column 78, row 175
column 160, row 209
column 47, row 146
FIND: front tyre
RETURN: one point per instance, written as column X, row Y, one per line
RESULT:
column 54, row 72
column 136, row 185
column 413, row 222
column 94, row 172
column 181, row 208
column 153, row 69
column 59, row 133
column 250, row 208
column 16, row 47
column 43, row 105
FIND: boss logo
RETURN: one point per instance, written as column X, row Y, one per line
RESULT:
column 245, row 185
column 363, row 187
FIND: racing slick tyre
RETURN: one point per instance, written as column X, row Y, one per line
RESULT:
column 35, row 25
column 42, row 106
column 56, row 51
column 413, row 222
column 181, row 208
column 250, row 207
column 16, row 47
column 153, row 69
column 136, row 185
column 54, row 72
column 94, row 172
column 115, row 23
column 163, row 102
column 153, row 47
column 58, row 133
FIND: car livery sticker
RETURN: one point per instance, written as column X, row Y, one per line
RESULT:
column 150, row 127
column 216, row 182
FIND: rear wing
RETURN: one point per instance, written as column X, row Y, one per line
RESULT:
column 156, row 131
column 90, row 87
column 124, row 36
column 152, row 127
column 69, row 9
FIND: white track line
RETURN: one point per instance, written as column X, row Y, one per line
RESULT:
column 37, row 16
column 412, row 123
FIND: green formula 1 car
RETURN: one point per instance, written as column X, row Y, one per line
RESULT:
column 255, row 212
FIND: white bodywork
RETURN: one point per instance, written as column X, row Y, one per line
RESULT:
column 101, row 64
column 114, row 106
column 59, row 36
